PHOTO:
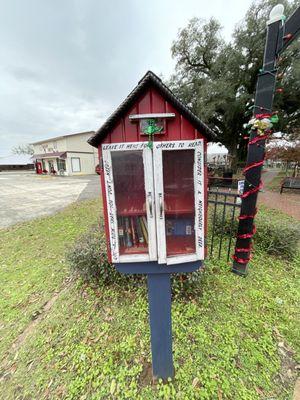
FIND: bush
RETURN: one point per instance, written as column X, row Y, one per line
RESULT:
column 87, row 259
column 277, row 234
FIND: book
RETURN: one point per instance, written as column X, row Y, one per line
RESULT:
column 179, row 227
column 134, row 236
column 139, row 230
column 144, row 228
column 121, row 231
column 128, row 233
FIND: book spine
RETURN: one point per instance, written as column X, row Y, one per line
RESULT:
column 139, row 230
column 144, row 228
column 134, row 237
column 128, row 239
column 121, row 231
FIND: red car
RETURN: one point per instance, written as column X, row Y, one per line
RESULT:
column 98, row 169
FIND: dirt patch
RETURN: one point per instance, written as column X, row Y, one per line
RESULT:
column 146, row 378
column 6, row 368
column 296, row 395
column 289, row 368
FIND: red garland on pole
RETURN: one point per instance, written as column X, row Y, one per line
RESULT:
column 251, row 191
column 276, row 42
column 241, row 250
column 253, row 165
column 258, row 139
column 241, row 260
column 245, row 216
column 247, row 235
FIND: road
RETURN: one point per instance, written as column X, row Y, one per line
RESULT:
column 25, row 195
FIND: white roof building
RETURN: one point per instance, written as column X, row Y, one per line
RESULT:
column 66, row 155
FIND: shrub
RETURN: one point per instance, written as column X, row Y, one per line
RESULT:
column 277, row 234
column 87, row 259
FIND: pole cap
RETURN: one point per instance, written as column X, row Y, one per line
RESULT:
column 276, row 14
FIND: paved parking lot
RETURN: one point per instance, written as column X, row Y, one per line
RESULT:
column 25, row 195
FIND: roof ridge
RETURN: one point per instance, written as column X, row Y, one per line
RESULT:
column 62, row 136
column 150, row 78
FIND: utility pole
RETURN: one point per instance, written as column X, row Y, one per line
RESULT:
column 280, row 34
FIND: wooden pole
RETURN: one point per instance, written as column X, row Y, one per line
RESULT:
column 263, row 104
column 159, row 294
column 279, row 36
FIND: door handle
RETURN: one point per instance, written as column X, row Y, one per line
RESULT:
column 161, row 209
column 150, row 204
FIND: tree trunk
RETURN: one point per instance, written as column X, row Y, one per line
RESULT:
column 295, row 173
column 233, row 157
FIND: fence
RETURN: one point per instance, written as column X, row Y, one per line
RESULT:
column 216, row 181
column 223, row 211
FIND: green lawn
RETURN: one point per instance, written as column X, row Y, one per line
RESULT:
column 234, row 338
column 275, row 183
column 32, row 265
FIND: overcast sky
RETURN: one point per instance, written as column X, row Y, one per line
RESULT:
column 66, row 64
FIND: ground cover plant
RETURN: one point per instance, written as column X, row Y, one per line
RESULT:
column 277, row 234
column 234, row 338
column 33, row 267
column 275, row 183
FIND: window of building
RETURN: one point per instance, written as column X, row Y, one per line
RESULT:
column 61, row 164
column 75, row 162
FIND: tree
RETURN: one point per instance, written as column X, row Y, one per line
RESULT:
column 23, row 149
column 286, row 152
column 218, row 79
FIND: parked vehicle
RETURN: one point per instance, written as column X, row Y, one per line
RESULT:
column 98, row 169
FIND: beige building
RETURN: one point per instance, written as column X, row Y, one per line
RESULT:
column 66, row 155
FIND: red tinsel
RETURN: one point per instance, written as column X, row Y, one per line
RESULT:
column 253, row 165
column 243, row 249
column 251, row 191
column 258, row 139
column 242, row 260
column 262, row 116
column 247, row 235
column 245, row 216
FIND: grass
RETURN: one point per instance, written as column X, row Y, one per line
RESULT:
column 275, row 183
column 234, row 338
column 32, row 265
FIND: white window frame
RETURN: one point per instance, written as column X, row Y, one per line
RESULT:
column 199, row 188
column 111, row 202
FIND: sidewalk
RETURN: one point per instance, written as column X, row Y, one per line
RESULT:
column 289, row 203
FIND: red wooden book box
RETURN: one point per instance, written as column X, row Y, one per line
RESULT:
column 152, row 153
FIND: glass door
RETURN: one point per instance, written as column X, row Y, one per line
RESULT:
column 128, row 172
column 179, row 187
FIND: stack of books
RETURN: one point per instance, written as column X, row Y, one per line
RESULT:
column 133, row 231
column 179, row 227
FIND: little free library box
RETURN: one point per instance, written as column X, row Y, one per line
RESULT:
column 152, row 153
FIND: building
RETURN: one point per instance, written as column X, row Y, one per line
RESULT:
column 65, row 155
column 16, row 162
column 218, row 159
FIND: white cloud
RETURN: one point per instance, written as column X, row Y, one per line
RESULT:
column 65, row 65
